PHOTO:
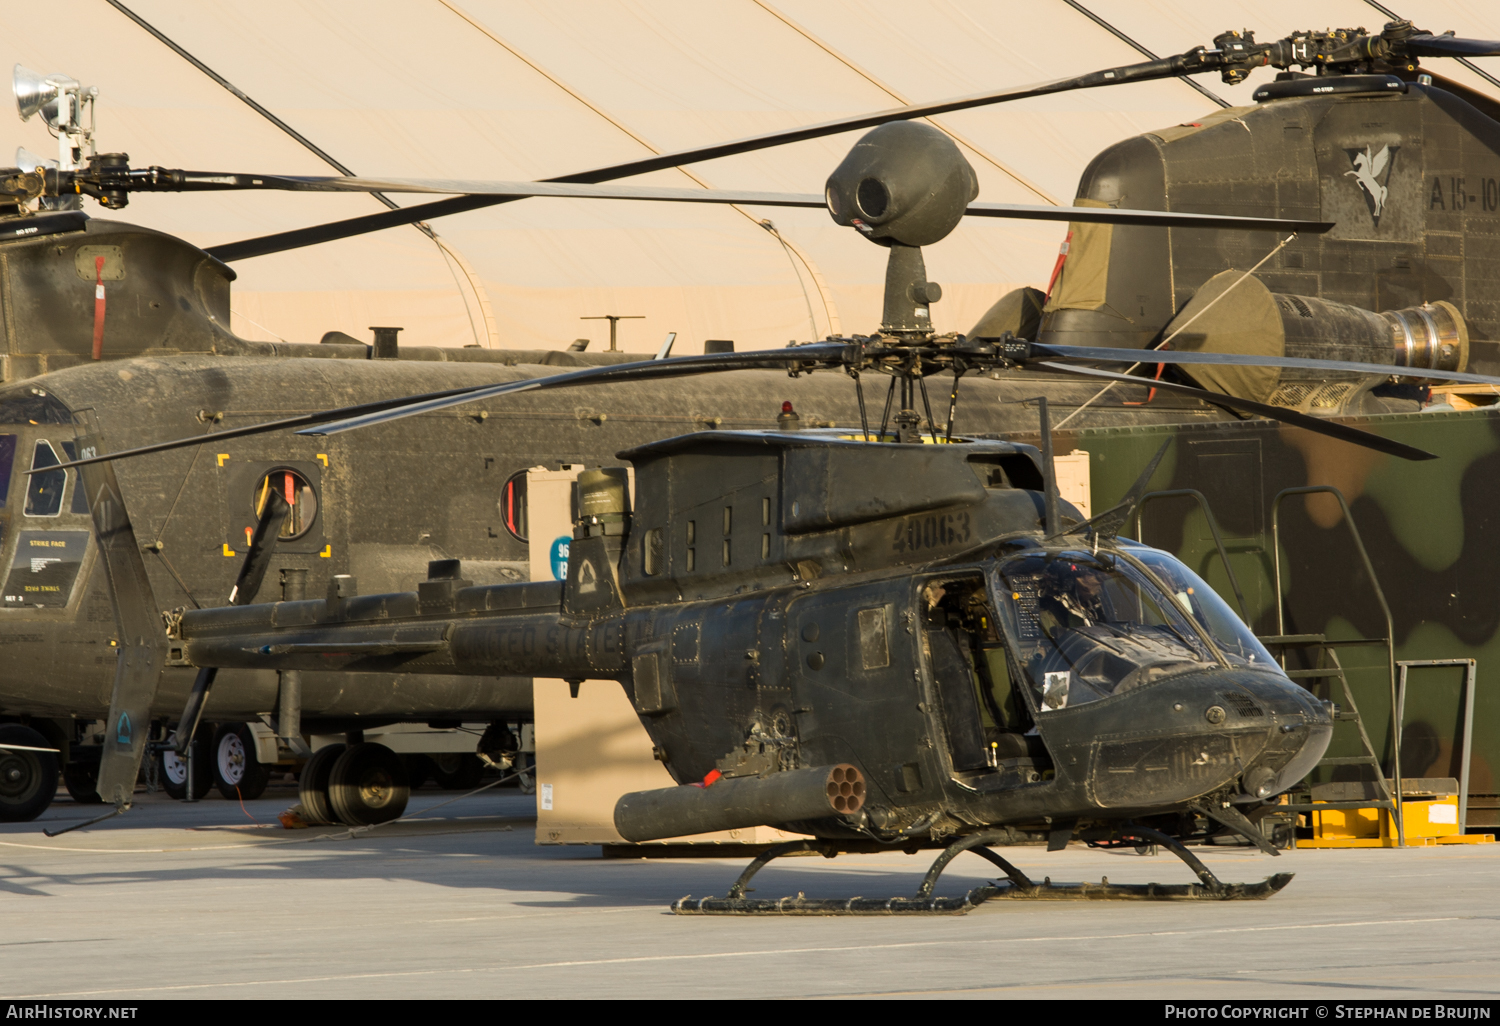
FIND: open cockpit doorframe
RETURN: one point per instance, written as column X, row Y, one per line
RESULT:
column 1026, row 760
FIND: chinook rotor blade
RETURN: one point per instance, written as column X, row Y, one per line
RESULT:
column 300, row 420
column 1101, row 355
column 1167, row 67
column 566, row 190
column 824, row 353
column 347, row 418
column 273, row 513
column 1292, row 418
column 1144, row 218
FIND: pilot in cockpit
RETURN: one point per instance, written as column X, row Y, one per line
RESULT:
column 1070, row 596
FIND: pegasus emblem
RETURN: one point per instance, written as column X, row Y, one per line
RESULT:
column 1372, row 170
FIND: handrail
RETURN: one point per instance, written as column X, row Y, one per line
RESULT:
column 1213, row 525
column 1468, row 729
column 1390, row 627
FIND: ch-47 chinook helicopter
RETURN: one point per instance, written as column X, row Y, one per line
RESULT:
column 879, row 642
column 880, row 206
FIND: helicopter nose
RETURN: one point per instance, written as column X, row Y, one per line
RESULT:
column 1301, row 727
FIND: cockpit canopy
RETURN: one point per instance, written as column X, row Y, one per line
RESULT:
column 1085, row 626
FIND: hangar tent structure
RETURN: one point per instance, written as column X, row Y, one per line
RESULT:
column 528, row 89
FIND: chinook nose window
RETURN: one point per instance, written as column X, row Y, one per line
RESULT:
column 1085, row 628
column 45, row 492
column 299, row 495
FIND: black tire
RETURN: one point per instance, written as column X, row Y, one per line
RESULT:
column 28, row 780
column 418, row 770
column 238, row 774
column 368, row 785
column 457, row 772
column 81, row 778
column 172, row 768
column 313, row 784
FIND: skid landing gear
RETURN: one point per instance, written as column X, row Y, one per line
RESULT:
column 1016, row 885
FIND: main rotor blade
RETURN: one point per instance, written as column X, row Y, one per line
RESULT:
column 347, row 418
column 1168, row 67
column 257, row 561
column 300, row 420
column 1342, row 432
column 1450, row 46
column 567, row 190
column 818, row 352
column 262, row 548
column 1102, row 355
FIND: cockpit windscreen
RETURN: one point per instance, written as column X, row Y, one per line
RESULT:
column 1086, row 627
column 1203, row 604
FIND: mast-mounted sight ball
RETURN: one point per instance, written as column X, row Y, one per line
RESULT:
column 903, row 182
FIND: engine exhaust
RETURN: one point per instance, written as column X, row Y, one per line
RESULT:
column 736, row 803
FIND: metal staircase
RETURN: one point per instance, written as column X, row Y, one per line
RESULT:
column 1327, row 670
column 1320, row 681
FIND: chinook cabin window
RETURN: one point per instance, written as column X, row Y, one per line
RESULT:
column 513, row 506
column 44, row 493
column 299, row 495
column 1086, row 627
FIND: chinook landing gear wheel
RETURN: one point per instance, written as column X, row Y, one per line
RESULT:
column 418, row 770
column 314, row 786
column 237, row 772
column 82, row 781
column 457, row 771
column 28, row 780
column 368, row 785
column 174, row 769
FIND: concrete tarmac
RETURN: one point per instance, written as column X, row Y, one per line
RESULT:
column 197, row 900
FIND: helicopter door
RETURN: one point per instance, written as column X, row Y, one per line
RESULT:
column 856, row 694
column 953, row 657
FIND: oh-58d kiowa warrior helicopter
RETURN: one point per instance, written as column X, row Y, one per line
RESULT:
column 896, row 205
column 886, row 638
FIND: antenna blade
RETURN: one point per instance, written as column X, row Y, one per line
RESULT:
column 1332, row 429
column 666, row 347
column 1109, row 523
